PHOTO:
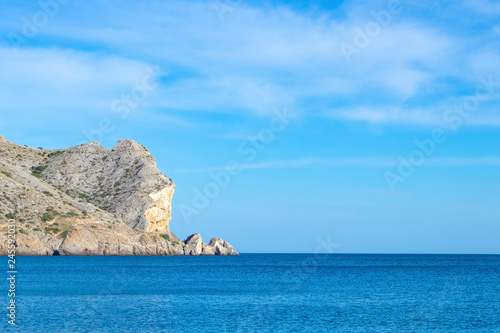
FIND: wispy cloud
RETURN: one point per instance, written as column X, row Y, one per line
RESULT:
column 367, row 162
column 257, row 58
column 60, row 81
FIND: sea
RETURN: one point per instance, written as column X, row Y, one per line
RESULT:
column 256, row 293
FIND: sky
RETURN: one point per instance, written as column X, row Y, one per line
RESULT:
column 287, row 126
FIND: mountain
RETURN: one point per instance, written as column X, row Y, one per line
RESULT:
column 90, row 200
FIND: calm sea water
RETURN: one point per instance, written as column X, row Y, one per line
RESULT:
column 258, row 293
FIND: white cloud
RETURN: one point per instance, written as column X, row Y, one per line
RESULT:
column 253, row 61
column 390, row 115
column 363, row 162
column 43, row 80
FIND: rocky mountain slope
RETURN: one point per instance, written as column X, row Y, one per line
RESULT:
column 89, row 200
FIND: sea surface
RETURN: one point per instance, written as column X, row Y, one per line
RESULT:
column 257, row 293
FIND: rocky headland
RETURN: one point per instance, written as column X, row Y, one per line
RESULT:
column 90, row 200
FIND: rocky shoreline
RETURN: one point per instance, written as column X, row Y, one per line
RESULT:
column 90, row 200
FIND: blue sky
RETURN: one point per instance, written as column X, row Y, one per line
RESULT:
column 392, row 121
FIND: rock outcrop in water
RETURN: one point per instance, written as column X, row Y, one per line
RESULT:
column 89, row 200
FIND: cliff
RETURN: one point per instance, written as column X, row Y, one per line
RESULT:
column 89, row 200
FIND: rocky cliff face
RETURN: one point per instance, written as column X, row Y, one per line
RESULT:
column 123, row 181
column 89, row 200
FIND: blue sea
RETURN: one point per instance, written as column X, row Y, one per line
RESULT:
column 258, row 293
